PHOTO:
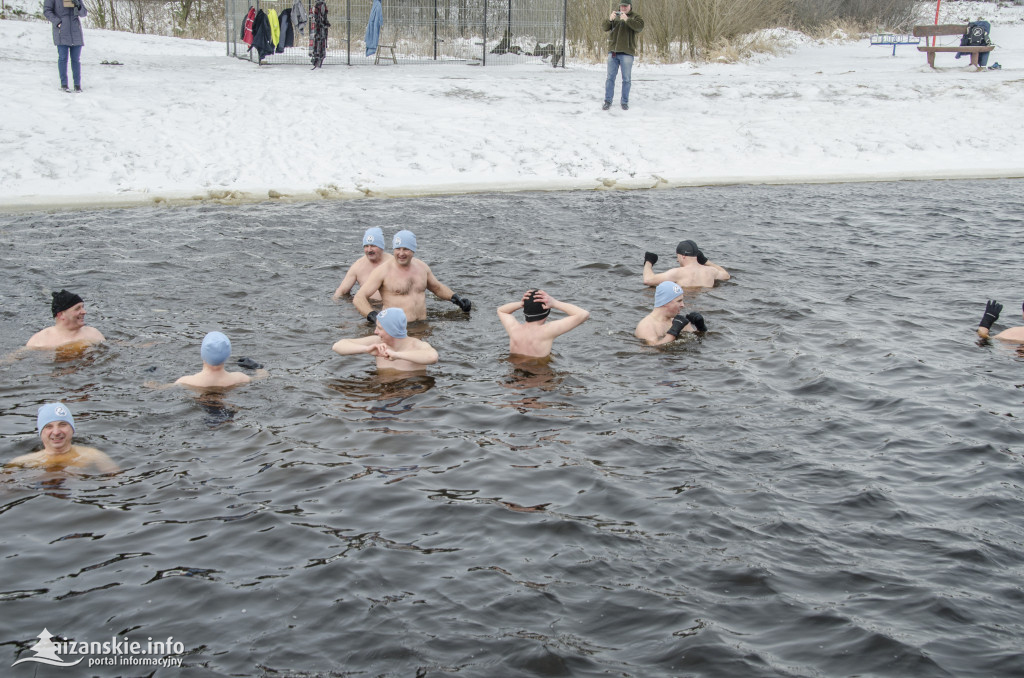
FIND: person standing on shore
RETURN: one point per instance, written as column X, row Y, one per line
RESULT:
column 65, row 16
column 622, row 27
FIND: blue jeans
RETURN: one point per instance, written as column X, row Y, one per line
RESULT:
column 62, row 64
column 618, row 60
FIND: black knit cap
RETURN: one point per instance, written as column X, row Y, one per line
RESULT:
column 687, row 248
column 64, row 300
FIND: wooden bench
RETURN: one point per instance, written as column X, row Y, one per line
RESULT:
column 948, row 29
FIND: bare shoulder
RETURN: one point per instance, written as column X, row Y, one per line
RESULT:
column 90, row 333
column 40, row 339
column 30, row 460
column 1014, row 334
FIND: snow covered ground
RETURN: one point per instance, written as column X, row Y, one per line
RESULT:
column 180, row 121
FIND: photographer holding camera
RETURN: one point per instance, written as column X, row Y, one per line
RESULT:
column 623, row 26
column 67, row 36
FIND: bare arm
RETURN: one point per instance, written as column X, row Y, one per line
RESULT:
column 356, row 346
column 346, row 283
column 505, row 312
column 720, row 273
column 372, row 284
column 422, row 354
column 652, row 279
column 575, row 316
column 440, row 290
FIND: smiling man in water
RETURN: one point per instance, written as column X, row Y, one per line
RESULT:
column 68, row 324
column 403, row 283
column 56, row 427
column 664, row 324
column 373, row 257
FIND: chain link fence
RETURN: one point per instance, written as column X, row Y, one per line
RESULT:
column 474, row 32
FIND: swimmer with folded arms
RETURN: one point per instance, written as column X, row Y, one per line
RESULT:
column 56, row 429
column 992, row 311
column 391, row 344
column 666, row 322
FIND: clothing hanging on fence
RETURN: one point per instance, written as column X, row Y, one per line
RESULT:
column 299, row 17
column 275, row 27
column 373, row 28
column 318, row 33
column 287, row 34
column 261, row 35
column 247, row 26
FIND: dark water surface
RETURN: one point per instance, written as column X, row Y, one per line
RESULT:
column 829, row 483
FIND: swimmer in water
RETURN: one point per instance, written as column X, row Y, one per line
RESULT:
column 666, row 322
column 992, row 310
column 215, row 350
column 694, row 269
column 373, row 256
column 535, row 337
column 403, row 283
column 68, row 324
column 391, row 344
column 56, row 428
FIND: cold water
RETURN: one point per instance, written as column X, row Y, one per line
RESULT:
column 828, row 483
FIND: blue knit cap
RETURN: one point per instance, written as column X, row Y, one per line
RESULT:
column 216, row 349
column 374, row 236
column 666, row 292
column 51, row 412
column 404, row 239
column 393, row 321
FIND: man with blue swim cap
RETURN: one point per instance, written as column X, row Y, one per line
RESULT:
column 666, row 322
column 215, row 351
column 694, row 269
column 68, row 324
column 403, row 283
column 391, row 344
column 56, row 429
column 373, row 257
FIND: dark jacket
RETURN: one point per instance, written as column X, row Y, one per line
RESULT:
column 623, row 33
column 67, row 26
column 261, row 40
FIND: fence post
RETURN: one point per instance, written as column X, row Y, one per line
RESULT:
column 348, row 32
column 565, row 20
column 483, row 62
column 435, row 30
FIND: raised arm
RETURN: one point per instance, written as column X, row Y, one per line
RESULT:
column 575, row 316
column 505, row 312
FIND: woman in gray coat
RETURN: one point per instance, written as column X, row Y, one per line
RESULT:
column 67, row 35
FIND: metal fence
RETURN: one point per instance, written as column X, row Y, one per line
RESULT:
column 474, row 32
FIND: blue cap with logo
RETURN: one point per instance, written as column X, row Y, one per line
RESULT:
column 666, row 292
column 373, row 236
column 51, row 412
column 404, row 239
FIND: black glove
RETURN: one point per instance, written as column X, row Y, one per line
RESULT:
column 697, row 320
column 249, row 364
column 78, row 5
column 464, row 304
column 651, row 257
column 701, row 259
column 678, row 323
column 992, row 310
column 371, row 317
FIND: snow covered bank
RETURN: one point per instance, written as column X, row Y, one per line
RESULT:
column 180, row 121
